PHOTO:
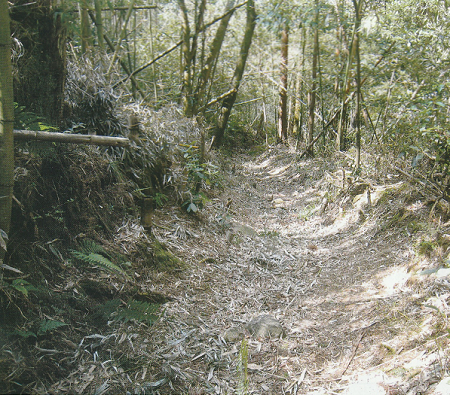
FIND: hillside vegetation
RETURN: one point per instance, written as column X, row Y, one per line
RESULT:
column 269, row 215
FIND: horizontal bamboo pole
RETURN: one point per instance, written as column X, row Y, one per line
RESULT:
column 70, row 138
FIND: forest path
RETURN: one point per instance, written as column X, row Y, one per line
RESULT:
column 335, row 280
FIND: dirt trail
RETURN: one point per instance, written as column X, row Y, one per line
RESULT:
column 336, row 280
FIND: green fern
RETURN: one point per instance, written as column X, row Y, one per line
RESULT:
column 95, row 255
column 89, row 246
column 133, row 310
column 98, row 260
column 138, row 311
column 49, row 325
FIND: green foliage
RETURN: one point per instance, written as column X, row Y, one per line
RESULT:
column 426, row 247
column 195, row 202
column 164, row 260
column 98, row 260
column 22, row 286
column 44, row 327
column 94, row 255
column 25, row 120
column 48, row 325
column 138, row 311
column 199, row 173
column 238, row 136
column 159, row 199
column 133, row 310
column 198, row 170
column 269, row 234
column 307, row 212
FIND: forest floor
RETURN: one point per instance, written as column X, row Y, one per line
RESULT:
column 343, row 277
column 357, row 287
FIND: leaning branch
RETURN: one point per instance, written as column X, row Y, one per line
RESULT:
column 123, row 64
column 175, row 46
column 219, row 98
column 125, row 8
column 29, row 135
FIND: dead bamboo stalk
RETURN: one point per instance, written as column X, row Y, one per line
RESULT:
column 100, row 140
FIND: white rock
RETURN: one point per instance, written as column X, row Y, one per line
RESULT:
column 443, row 388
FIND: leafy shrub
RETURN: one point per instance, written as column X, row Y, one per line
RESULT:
column 200, row 174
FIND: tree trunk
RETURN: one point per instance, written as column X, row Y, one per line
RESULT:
column 85, row 28
column 345, row 90
column 312, row 93
column 99, row 23
column 121, row 36
column 297, row 129
column 186, row 60
column 122, row 63
column 207, row 74
column 6, row 123
column 43, row 36
column 228, row 102
column 357, row 5
column 282, row 110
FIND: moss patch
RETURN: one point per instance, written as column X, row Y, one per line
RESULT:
column 164, row 260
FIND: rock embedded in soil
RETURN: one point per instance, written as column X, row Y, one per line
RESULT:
column 233, row 334
column 265, row 326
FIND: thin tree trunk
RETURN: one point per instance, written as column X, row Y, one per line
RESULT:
column 345, row 91
column 312, row 93
column 99, row 23
column 299, row 98
column 152, row 54
column 186, row 60
column 122, row 63
column 121, row 36
column 174, row 47
column 357, row 5
column 228, row 102
column 282, row 109
column 198, row 28
column 6, row 123
column 206, row 74
column 29, row 135
column 84, row 23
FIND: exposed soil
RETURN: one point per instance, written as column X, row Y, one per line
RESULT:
column 290, row 239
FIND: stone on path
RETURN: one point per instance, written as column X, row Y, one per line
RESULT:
column 233, row 334
column 265, row 326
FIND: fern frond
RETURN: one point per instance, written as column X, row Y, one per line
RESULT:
column 48, row 325
column 139, row 311
column 89, row 246
column 95, row 259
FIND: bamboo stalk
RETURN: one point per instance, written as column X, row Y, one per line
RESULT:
column 121, row 36
column 176, row 45
column 100, row 140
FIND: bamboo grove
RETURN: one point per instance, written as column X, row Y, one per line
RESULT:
column 328, row 75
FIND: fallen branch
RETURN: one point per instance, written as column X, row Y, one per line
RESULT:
column 428, row 185
column 71, row 138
